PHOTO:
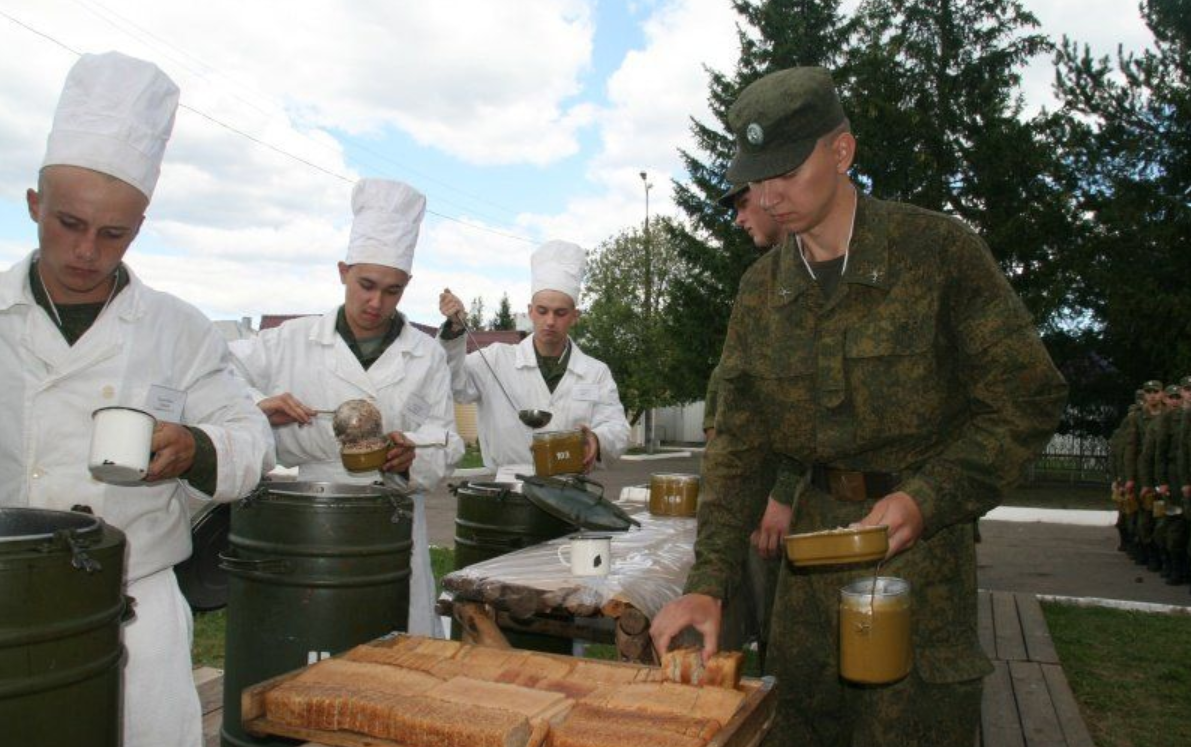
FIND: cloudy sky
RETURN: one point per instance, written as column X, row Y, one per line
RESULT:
column 521, row 120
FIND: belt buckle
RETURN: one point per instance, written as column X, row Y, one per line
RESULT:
column 846, row 485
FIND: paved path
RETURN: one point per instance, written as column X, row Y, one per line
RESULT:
column 1035, row 557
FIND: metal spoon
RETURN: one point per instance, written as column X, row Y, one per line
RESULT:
column 532, row 418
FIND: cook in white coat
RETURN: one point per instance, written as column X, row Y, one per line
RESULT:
column 79, row 331
column 366, row 349
column 545, row 371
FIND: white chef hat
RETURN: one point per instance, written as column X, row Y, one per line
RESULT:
column 115, row 116
column 388, row 215
column 558, row 266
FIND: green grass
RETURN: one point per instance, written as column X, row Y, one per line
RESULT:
column 1130, row 671
column 472, row 458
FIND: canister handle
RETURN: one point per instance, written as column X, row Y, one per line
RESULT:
column 277, row 566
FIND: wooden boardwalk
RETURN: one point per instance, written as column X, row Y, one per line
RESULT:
column 1027, row 702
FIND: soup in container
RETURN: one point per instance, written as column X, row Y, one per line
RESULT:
column 558, row 452
column 673, row 494
column 874, row 630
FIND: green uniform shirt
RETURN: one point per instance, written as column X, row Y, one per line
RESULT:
column 1134, row 441
column 553, row 367
column 368, row 351
column 76, row 319
column 924, row 363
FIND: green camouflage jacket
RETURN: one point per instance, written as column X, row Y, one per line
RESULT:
column 924, row 363
column 1151, row 465
column 1134, row 440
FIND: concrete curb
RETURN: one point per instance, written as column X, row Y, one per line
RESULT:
column 1053, row 516
column 471, row 472
column 1118, row 604
column 653, row 457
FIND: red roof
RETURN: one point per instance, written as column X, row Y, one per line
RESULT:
column 483, row 337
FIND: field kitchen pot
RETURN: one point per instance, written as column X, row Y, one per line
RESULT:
column 314, row 568
column 61, row 607
column 494, row 518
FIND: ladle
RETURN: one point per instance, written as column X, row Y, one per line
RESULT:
column 532, row 418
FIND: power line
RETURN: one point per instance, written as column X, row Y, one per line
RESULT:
column 275, row 148
column 208, row 68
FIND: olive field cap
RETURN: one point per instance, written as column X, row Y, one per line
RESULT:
column 728, row 199
column 1185, row 382
column 778, row 119
column 1153, row 385
column 1174, row 391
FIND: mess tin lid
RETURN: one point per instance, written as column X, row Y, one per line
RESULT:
column 576, row 500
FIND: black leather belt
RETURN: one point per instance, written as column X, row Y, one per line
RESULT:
column 853, row 486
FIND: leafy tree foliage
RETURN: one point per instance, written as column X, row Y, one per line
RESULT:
column 1126, row 131
column 504, row 316
column 616, row 327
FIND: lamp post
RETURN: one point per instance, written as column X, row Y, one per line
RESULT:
column 649, row 445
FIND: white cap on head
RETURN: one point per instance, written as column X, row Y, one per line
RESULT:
column 388, row 215
column 558, row 266
column 115, row 116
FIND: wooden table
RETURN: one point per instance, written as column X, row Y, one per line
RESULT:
column 532, row 590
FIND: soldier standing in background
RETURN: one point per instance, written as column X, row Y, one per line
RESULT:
column 751, row 615
column 1177, row 532
column 1159, row 454
column 881, row 350
column 1146, row 475
column 1133, row 440
column 1125, row 502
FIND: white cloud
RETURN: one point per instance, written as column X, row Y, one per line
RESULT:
column 651, row 98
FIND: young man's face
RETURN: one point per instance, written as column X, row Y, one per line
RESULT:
column 1153, row 398
column 552, row 313
column 371, row 293
column 85, row 223
column 758, row 224
column 800, row 200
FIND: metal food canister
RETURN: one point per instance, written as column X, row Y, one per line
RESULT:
column 673, row 494
column 558, row 452
column 874, row 630
column 493, row 518
column 61, row 607
column 314, row 568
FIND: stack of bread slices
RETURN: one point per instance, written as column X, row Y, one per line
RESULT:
column 422, row 692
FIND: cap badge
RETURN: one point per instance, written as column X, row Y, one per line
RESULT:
column 754, row 133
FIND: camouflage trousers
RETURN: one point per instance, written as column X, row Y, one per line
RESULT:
column 816, row 708
column 746, row 615
column 1143, row 527
column 1177, row 533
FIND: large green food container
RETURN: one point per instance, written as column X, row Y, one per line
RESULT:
column 61, row 608
column 492, row 519
column 313, row 568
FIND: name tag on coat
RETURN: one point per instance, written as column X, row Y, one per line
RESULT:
column 417, row 408
column 586, row 392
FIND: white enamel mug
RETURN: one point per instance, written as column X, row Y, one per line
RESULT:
column 591, row 554
column 121, row 439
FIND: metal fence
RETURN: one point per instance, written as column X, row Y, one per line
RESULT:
column 1073, row 459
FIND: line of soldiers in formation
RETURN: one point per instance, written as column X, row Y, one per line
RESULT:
column 1149, row 456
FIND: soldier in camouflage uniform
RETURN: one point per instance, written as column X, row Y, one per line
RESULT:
column 748, row 615
column 1143, row 474
column 1158, row 453
column 882, row 350
column 1126, row 504
column 1176, row 530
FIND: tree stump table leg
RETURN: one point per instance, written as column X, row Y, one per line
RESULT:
column 632, row 637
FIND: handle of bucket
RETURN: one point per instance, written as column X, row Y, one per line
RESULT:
column 260, row 491
column 277, row 566
column 587, row 483
column 79, row 559
column 129, row 612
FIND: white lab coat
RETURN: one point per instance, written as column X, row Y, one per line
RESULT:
column 409, row 385
column 50, row 389
column 586, row 395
